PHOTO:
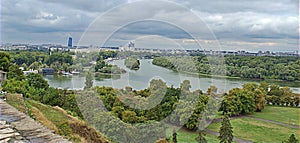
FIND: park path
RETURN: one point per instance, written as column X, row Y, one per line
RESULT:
column 273, row 122
column 259, row 119
column 16, row 126
column 251, row 117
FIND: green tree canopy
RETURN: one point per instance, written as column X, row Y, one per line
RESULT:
column 37, row 81
column 5, row 60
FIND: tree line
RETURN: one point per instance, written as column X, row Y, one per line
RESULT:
column 249, row 67
column 37, row 59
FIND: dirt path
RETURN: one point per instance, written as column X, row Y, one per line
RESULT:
column 273, row 122
column 259, row 119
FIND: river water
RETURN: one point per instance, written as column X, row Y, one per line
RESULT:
column 141, row 78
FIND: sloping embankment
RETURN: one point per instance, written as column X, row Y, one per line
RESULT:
column 19, row 127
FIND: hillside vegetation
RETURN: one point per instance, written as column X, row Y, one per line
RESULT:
column 57, row 119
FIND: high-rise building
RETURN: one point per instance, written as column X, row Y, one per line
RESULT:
column 70, row 42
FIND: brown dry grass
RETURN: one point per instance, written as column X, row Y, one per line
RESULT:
column 81, row 128
column 90, row 134
column 16, row 100
column 42, row 119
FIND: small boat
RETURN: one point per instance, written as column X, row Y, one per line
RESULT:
column 66, row 73
column 75, row 72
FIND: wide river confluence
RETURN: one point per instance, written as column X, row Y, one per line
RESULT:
column 141, row 78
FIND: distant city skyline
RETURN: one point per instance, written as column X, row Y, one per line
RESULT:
column 257, row 25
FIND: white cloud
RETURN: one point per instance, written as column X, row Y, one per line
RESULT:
column 45, row 18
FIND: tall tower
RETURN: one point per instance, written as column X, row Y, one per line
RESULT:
column 70, row 42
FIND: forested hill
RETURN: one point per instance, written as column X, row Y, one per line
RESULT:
column 250, row 67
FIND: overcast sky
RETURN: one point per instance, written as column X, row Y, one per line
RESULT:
column 250, row 25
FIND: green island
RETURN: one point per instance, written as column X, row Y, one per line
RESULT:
column 132, row 63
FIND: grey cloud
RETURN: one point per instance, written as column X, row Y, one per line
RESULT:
column 256, row 21
column 252, row 25
column 230, row 6
column 35, row 17
column 88, row 5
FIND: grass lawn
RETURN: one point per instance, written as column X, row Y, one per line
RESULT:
column 258, row 131
column 51, row 114
column 280, row 114
column 189, row 137
column 184, row 136
column 16, row 100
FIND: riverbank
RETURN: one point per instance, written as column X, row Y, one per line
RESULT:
column 297, row 83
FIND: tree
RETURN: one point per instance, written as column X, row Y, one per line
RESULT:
column 200, row 138
column 99, row 65
column 129, row 116
column 292, row 139
column 37, row 81
column 132, row 63
column 15, row 72
column 5, row 60
column 263, row 85
column 212, row 90
column 259, row 99
column 14, row 86
column 275, row 90
column 88, row 81
column 251, row 86
column 106, row 54
column 226, row 133
column 175, row 137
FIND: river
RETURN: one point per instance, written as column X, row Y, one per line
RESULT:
column 141, row 78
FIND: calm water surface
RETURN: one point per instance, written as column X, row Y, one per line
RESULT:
column 141, row 78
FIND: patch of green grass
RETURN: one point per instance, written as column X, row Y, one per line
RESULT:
column 184, row 136
column 257, row 131
column 51, row 114
column 286, row 115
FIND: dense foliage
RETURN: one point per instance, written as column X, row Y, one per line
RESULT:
column 252, row 67
column 36, row 60
column 5, row 60
column 171, row 98
column 103, row 67
column 35, row 87
column 253, row 97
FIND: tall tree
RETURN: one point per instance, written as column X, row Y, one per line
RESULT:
column 175, row 137
column 200, row 138
column 292, row 139
column 260, row 99
column 37, row 81
column 5, row 60
column 15, row 72
column 226, row 133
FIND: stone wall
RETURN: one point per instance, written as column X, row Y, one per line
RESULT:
column 15, row 126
